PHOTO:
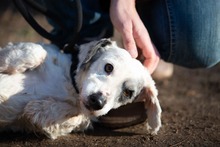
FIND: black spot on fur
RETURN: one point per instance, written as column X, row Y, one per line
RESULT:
column 95, row 53
column 104, row 42
column 124, row 95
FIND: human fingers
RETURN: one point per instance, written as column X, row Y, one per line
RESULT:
column 129, row 42
column 149, row 51
column 121, row 14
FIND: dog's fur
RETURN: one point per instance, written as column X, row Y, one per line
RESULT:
column 36, row 92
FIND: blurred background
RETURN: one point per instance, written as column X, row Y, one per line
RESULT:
column 14, row 28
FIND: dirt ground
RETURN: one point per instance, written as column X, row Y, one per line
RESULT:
column 190, row 100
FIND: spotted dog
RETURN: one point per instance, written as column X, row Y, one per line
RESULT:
column 44, row 90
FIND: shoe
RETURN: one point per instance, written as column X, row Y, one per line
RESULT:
column 124, row 116
column 163, row 71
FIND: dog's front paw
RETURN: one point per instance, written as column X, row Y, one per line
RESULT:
column 19, row 57
column 50, row 117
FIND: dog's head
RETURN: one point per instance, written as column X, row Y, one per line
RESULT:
column 108, row 77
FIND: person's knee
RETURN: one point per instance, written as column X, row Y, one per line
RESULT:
column 210, row 59
column 192, row 56
column 202, row 58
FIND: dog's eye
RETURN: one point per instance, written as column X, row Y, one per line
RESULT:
column 128, row 93
column 108, row 68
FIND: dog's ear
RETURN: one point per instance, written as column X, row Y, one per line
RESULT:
column 149, row 96
column 96, row 49
column 95, row 52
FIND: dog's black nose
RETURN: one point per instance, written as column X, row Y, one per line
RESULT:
column 96, row 101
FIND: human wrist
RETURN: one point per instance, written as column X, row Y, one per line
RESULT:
column 123, row 2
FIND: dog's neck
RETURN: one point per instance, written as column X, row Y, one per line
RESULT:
column 73, row 68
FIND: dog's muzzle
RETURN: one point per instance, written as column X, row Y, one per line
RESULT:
column 96, row 101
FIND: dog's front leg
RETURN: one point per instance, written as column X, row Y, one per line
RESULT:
column 17, row 58
column 54, row 118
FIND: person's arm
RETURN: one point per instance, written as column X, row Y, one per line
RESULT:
column 134, row 34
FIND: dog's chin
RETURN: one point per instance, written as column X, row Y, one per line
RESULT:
column 100, row 112
column 94, row 113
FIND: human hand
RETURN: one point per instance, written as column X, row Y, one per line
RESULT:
column 134, row 34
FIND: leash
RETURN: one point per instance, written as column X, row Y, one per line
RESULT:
column 23, row 8
column 71, row 47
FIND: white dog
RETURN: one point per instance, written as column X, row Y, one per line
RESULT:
column 39, row 91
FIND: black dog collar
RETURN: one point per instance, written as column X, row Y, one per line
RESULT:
column 73, row 68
